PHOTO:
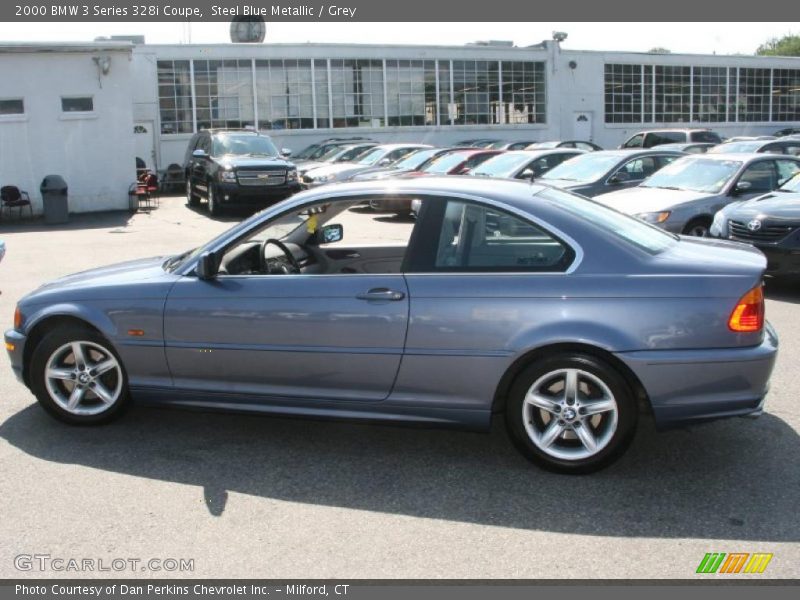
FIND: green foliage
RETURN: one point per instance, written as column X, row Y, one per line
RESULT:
column 788, row 45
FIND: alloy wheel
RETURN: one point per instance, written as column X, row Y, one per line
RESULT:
column 570, row 414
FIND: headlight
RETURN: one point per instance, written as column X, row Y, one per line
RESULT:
column 229, row 176
column 291, row 174
column 654, row 217
column 719, row 228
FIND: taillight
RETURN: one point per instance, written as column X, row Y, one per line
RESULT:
column 748, row 316
column 17, row 319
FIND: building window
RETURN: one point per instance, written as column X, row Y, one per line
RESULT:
column 321, row 93
column 411, row 92
column 623, row 93
column 224, row 93
column 523, row 93
column 12, row 106
column 753, row 99
column 476, row 90
column 786, row 95
column 77, row 104
column 285, row 94
column 673, row 94
column 357, row 93
column 175, row 96
column 710, row 86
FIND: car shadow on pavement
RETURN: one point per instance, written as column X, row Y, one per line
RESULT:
column 785, row 290
column 735, row 479
column 229, row 216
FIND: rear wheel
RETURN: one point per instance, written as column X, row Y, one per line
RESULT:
column 77, row 376
column 192, row 199
column 571, row 413
column 697, row 227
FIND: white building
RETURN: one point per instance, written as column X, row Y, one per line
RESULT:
column 66, row 109
column 301, row 93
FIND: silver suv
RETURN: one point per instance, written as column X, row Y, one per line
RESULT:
column 656, row 137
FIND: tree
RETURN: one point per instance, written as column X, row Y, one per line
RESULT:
column 659, row 50
column 788, row 45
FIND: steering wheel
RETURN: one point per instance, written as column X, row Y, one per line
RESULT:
column 295, row 266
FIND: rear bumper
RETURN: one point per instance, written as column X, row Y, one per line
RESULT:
column 692, row 386
column 16, row 340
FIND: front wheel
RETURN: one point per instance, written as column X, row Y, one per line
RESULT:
column 214, row 208
column 77, row 377
column 698, row 228
column 571, row 413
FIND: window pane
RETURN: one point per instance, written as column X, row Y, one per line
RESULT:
column 478, row 238
column 13, row 106
column 175, row 94
column 82, row 104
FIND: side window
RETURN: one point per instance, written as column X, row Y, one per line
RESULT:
column 635, row 141
column 786, row 170
column 205, row 143
column 476, row 238
column 584, row 146
column 761, row 176
column 398, row 154
column 663, row 161
column 792, row 150
column 639, row 168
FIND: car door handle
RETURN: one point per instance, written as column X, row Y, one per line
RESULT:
column 381, row 294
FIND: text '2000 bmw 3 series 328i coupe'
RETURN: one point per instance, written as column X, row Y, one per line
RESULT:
column 501, row 298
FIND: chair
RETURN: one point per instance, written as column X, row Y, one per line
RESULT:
column 145, row 190
column 12, row 197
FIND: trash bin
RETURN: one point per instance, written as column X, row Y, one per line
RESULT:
column 54, row 198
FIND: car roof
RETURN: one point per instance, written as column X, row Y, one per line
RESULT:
column 543, row 151
column 739, row 156
column 628, row 152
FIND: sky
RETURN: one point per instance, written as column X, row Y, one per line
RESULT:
column 700, row 38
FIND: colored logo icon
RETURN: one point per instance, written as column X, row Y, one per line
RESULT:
column 734, row 562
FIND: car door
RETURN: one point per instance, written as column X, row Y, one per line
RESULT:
column 199, row 164
column 334, row 336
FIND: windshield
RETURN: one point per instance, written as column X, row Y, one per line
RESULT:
column 695, row 174
column 243, row 145
column 585, row 168
column 545, row 145
column 352, row 153
column 306, row 152
column 371, row 157
column 736, row 147
column 793, row 185
column 414, row 160
column 647, row 237
column 502, row 165
column 447, row 162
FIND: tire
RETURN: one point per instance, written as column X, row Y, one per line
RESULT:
column 214, row 208
column 103, row 396
column 192, row 199
column 559, row 438
column 697, row 227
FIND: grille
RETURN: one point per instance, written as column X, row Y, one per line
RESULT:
column 769, row 232
column 261, row 178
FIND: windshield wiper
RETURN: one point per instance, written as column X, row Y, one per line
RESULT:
column 665, row 187
column 172, row 263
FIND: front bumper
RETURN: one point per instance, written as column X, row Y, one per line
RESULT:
column 234, row 194
column 15, row 339
column 692, row 386
column 781, row 261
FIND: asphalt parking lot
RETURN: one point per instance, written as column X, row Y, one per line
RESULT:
column 247, row 496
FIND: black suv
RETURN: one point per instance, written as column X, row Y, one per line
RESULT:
column 236, row 167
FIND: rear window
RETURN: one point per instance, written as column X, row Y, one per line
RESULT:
column 633, row 231
column 706, row 136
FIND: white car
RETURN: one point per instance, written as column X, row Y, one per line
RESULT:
column 379, row 156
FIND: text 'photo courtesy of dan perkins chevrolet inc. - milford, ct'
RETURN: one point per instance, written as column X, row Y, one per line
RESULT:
column 276, row 10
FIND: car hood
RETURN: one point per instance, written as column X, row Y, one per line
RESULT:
column 779, row 205
column 335, row 170
column 644, row 199
column 132, row 278
column 253, row 162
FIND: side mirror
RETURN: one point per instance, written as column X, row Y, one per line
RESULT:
column 385, row 162
column 285, row 152
column 619, row 177
column 199, row 153
column 742, row 187
column 527, row 174
column 206, row 266
column 331, row 234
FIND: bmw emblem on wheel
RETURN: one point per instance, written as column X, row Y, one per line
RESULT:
column 754, row 225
